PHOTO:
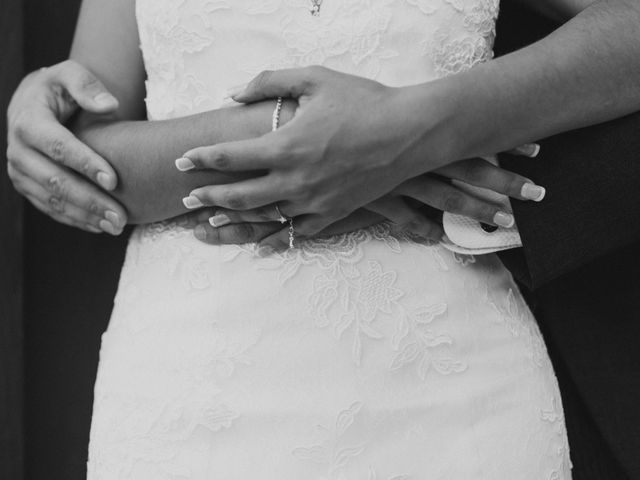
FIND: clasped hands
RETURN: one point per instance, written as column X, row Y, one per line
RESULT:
column 339, row 164
column 347, row 159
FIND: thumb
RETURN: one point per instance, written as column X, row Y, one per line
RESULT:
column 85, row 88
column 288, row 83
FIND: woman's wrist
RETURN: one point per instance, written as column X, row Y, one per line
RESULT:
column 261, row 115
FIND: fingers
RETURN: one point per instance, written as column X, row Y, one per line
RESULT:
column 245, row 195
column 247, row 155
column 406, row 218
column 84, row 87
column 235, row 234
column 67, row 192
column 530, row 150
column 291, row 83
column 480, row 173
column 57, row 143
column 63, row 213
column 448, row 198
column 224, row 217
column 46, row 210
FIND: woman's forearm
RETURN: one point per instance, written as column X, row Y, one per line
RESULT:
column 143, row 154
column 586, row 72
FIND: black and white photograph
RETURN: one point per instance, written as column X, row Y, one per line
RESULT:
column 320, row 240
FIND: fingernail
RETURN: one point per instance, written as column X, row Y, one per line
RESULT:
column 219, row 221
column 114, row 219
column 504, row 219
column 108, row 227
column 192, row 202
column 200, row 232
column 533, row 192
column 530, row 150
column 106, row 100
column 105, row 181
column 93, row 229
column 266, row 251
column 185, row 164
column 234, row 91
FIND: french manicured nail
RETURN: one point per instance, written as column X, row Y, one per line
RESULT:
column 218, row 221
column 237, row 90
column 114, row 219
column 200, row 232
column 533, row 192
column 108, row 227
column 105, row 181
column 185, row 164
column 266, row 251
column 106, row 100
column 529, row 150
column 93, row 229
column 504, row 219
column 192, row 202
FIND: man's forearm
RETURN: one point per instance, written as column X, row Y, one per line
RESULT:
column 143, row 154
column 585, row 73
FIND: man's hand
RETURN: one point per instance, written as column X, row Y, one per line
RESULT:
column 402, row 207
column 338, row 154
column 47, row 163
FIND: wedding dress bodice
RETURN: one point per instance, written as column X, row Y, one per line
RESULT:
column 364, row 356
column 194, row 50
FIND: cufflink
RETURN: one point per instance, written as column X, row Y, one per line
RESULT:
column 488, row 228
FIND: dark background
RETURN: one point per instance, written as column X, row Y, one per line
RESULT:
column 57, row 284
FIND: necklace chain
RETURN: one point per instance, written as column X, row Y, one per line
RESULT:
column 315, row 7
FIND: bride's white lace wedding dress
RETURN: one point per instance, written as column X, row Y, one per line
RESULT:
column 365, row 356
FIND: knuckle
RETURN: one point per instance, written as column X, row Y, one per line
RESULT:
column 57, row 150
column 453, row 202
column 94, row 207
column 57, row 204
column 20, row 124
column 221, row 160
column 87, row 81
column 58, row 186
column 234, row 200
column 245, row 232
column 475, row 171
column 86, row 168
column 262, row 79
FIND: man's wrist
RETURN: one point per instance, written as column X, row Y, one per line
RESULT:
column 433, row 119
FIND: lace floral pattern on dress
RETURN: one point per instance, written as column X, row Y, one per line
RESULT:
column 363, row 356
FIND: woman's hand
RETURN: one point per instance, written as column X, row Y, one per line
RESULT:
column 338, row 154
column 48, row 165
column 402, row 207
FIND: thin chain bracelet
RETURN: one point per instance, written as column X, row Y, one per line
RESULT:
column 292, row 235
column 275, row 119
column 275, row 124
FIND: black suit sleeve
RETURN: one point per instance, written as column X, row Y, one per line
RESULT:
column 592, row 206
